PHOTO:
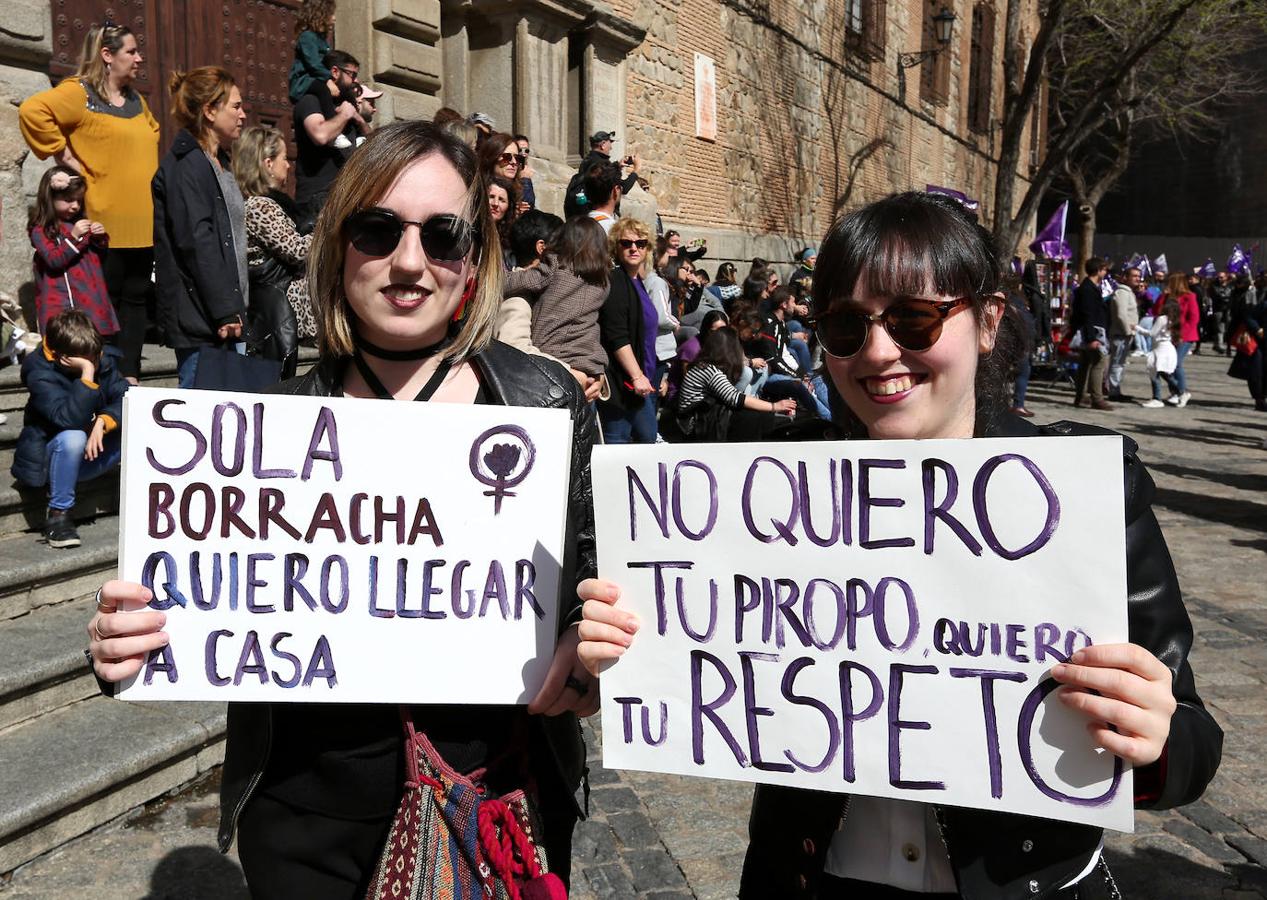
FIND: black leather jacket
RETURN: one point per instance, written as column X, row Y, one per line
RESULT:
column 511, row 378
column 1002, row 856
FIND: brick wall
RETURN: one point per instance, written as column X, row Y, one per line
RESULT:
column 805, row 130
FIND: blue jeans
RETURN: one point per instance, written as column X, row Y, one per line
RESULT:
column 628, row 426
column 817, row 392
column 1144, row 340
column 1180, row 378
column 1022, row 383
column 186, row 366
column 67, row 466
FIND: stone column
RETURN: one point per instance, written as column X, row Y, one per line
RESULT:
column 26, row 44
column 610, row 41
column 398, row 45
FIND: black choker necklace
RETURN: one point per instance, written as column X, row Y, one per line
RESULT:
column 401, row 355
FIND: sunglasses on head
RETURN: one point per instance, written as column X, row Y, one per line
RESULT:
column 628, row 244
column 912, row 323
column 376, row 232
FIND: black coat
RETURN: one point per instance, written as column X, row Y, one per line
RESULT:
column 1003, row 856
column 1090, row 314
column 511, row 378
column 621, row 323
column 195, row 261
column 60, row 401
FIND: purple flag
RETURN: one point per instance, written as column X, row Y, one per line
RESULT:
column 1050, row 242
column 1160, row 266
column 1238, row 262
column 1139, row 261
column 1208, row 270
column 1107, row 287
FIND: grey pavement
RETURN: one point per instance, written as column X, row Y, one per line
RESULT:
column 667, row 837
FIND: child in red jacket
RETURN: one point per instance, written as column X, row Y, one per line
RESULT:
column 68, row 252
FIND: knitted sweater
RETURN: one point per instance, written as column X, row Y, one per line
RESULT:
column 119, row 153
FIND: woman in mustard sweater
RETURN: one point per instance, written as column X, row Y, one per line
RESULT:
column 96, row 123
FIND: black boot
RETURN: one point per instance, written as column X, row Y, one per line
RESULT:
column 59, row 529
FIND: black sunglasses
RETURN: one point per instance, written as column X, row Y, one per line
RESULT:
column 377, row 231
column 628, row 244
column 912, row 323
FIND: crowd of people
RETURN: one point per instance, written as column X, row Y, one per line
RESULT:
column 415, row 260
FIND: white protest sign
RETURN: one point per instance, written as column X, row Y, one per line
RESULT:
column 871, row 617
column 342, row 550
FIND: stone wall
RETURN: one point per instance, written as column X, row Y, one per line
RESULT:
column 25, row 47
column 805, row 130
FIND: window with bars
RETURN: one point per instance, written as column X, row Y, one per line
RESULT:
column 864, row 28
column 981, row 68
column 934, row 76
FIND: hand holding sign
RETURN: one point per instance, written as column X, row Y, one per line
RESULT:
column 120, row 637
column 1126, row 692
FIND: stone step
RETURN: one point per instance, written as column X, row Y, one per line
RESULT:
column 22, row 509
column 35, row 575
column 70, row 770
column 42, row 666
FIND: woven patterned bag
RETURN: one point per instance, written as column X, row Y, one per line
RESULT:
column 451, row 841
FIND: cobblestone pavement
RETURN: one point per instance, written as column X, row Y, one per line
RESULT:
column 668, row 837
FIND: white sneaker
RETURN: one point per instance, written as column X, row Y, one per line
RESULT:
column 1172, row 400
column 341, row 142
column 1183, row 399
column 3, row 418
column 1152, row 404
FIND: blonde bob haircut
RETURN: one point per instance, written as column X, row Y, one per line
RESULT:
column 640, row 231
column 257, row 145
column 363, row 181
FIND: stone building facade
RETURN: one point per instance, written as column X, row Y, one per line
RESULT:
column 809, row 113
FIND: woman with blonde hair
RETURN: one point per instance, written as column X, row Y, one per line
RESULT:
column 405, row 275
column 96, row 123
column 199, row 217
column 628, row 325
column 280, row 312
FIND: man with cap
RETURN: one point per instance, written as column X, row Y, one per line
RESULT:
column 804, row 273
column 601, row 152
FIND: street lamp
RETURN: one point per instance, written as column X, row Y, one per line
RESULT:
column 943, row 26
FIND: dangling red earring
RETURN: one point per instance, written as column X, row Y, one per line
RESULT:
column 467, row 294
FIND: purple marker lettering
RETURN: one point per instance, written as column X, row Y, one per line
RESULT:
column 867, row 502
column 752, row 711
column 217, row 439
column 788, row 689
column 701, row 710
column 935, row 510
column 988, row 677
column 711, row 519
column 897, row 672
column 1050, row 522
column 200, row 442
column 849, row 716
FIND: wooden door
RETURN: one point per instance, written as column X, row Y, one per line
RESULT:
column 253, row 39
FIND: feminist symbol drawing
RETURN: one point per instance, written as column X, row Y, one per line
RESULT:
column 501, row 458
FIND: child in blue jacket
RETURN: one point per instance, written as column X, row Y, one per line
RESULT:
column 70, row 431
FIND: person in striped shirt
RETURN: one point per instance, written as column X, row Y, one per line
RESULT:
column 711, row 380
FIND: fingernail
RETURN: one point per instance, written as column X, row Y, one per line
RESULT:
column 1077, row 657
column 166, row 638
column 1059, row 670
column 149, row 595
column 613, row 593
column 162, row 619
column 631, row 625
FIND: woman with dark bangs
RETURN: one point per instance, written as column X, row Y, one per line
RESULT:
column 920, row 344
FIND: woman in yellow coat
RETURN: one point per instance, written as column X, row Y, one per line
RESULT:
column 97, row 123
